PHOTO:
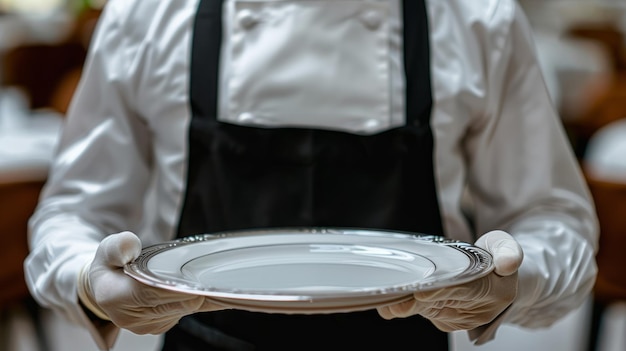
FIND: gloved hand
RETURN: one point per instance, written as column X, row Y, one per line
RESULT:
column 112, row 295
column 470, row 305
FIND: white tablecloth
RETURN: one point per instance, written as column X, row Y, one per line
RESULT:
column 605, row 157
column 27, row 139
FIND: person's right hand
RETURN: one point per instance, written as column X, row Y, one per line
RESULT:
column 109, row 293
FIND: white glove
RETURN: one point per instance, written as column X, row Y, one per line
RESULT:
column 110, row 294
column 470, row 305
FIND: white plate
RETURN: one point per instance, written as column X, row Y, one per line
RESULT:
column 309, row 270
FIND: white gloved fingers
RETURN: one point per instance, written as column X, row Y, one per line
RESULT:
column 110, row 296
column 464, row 322
column 126, row 302
column 460, row 315
column 117, row 302
column 408, row 308
column 163, row 317
column 183, row 307
column 113, row 252
column 442, row 314
column 210, row 306
column 385, row 312
column 151, row 320
column 163, row 326
column 152, row 296
column 507, row 253
column 143, row 309
column 427, row 302
column 151, row 328
column 462, row 307
column 464, row 292
column 157, row 325
column 116, row 250
column 470, row 305
column 399, row 310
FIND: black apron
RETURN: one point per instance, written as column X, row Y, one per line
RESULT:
column 244, row 177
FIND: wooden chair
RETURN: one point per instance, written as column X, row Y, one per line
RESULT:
column 38, row 69
column 606, row 102
column 49, row 72
column 17, row 203
column 610, row 286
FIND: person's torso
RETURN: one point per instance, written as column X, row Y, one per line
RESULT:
column 161, row 63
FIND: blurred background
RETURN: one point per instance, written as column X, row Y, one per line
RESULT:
column 581, row 46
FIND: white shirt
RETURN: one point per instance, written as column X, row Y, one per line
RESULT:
column 496, row 135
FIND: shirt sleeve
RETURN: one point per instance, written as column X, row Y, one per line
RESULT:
column 525, row 179
column 98, row 178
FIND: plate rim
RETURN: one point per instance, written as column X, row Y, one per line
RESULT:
column 481, row 264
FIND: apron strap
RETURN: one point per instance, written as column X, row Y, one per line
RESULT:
column 205, row 60
column 417, row 63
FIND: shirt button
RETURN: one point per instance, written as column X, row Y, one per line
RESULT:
column 247, row 19
column 372, row 19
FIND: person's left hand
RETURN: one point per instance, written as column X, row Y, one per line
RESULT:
column 470, row 305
